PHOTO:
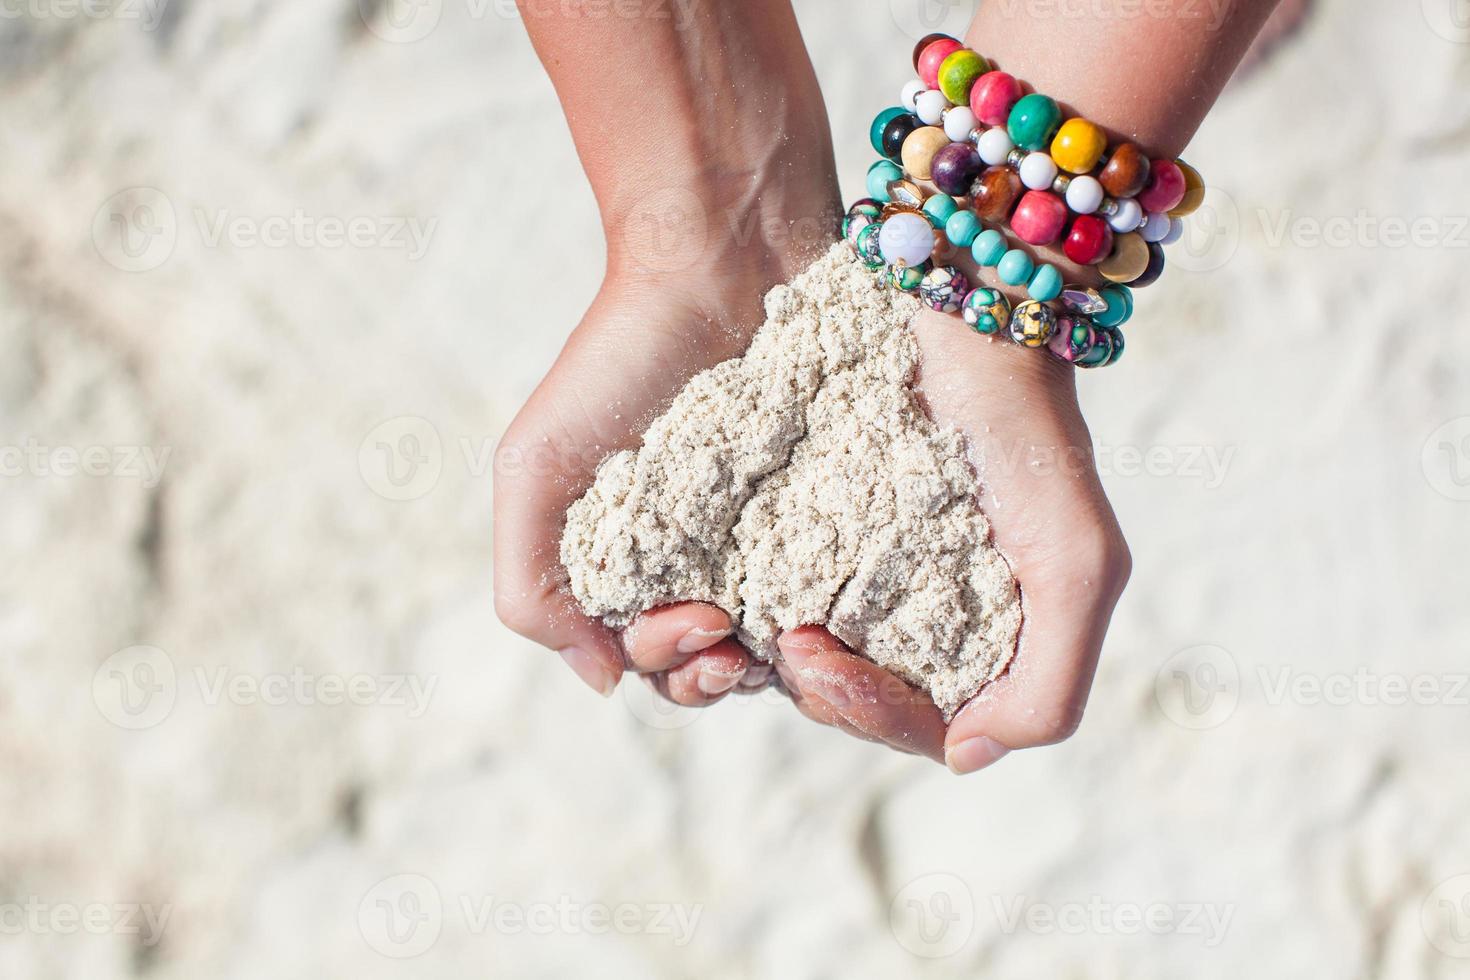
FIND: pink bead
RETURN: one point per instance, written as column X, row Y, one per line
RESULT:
column 994, row 94
column 933, row 56
column 1039, row 218
column 1165, row 188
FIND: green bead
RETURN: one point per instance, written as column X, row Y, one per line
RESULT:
column 880, row 123
column 989, row 247
column 939, row 208
column 879, row 174
column 867, row 246
column 1015, row 267
column 957, row 74
column 1117, row 338
column 1045, row 284
column 985, row 323
column 907, row 277
column 1117, row 311
column 962, row 228
column 1034, row 120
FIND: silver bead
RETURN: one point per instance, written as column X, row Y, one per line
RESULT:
column 1014, row 158
column 1109, row 207
column 1061, row 184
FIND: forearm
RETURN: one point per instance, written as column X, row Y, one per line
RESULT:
column 1146, row 71
column 717, row 102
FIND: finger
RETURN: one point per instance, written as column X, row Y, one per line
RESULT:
column 816, row 710
column 757, row 678
column 666, row 637
column 708, row 675
column 873, row 700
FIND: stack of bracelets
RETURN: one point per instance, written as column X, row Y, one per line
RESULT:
column 1000, row 157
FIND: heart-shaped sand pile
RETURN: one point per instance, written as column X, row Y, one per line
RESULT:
column 803, row 484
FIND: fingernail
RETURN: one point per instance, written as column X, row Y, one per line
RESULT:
column 713, row 682
column 973, row 754
column 756, row 675
column 821, row 684
column 590, row 669
column 696, row 640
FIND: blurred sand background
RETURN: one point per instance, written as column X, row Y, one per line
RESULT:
column 256, row 691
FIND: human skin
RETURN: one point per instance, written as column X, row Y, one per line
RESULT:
column 751, row 183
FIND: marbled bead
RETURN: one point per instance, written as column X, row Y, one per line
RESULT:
column 1116, row 336
column 933, row 56
column 895, row 133
column 880, row 123
column 986, row 309
column 879, row 174
column 959, row 122
column 1072, row 338
column 957, row 74
column 859, row 216
column 1038, row 171
column 995, row 146
column 1119, row 306
column 1126, row 171
column 1084, row 300
column 1102, row 349
column 1153, row 270
column 907, row 277
column 1015, row 268
column 995, row 192
column 919, row 150
column 868, row 246
column 939, row 208
column 1128, row 261
column 994, row 95
column 907, row 238
column 1033, row 323
column 930, row 106
column 943, row 288
column 955, row 167
column 1165, row 188
column 1045, row 283
column 988, row 248
column 1078, row 145
column 1194, row 192
column 927, row 40
column 1089, row 241
column 962, row 228
column 1033, row 121
column 1039, row 218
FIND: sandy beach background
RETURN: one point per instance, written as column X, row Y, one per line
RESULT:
column 277, row 274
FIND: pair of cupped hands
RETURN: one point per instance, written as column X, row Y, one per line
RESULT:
column 687, row 270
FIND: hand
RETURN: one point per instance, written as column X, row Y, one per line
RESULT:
column 1018, row 408
column 661, row 317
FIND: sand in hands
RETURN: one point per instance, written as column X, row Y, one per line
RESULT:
column 803, row 484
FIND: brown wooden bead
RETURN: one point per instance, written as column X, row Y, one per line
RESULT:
column 1129, row 259
column 995, row 193
column 1126, row 172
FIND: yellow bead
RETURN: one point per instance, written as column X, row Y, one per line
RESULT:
column 1078, row 145
column 919, row 149
column 1128, row 261
column 1194, row 192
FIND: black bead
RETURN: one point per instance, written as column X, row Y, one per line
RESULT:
column 896, row 132
column 1155, row 267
